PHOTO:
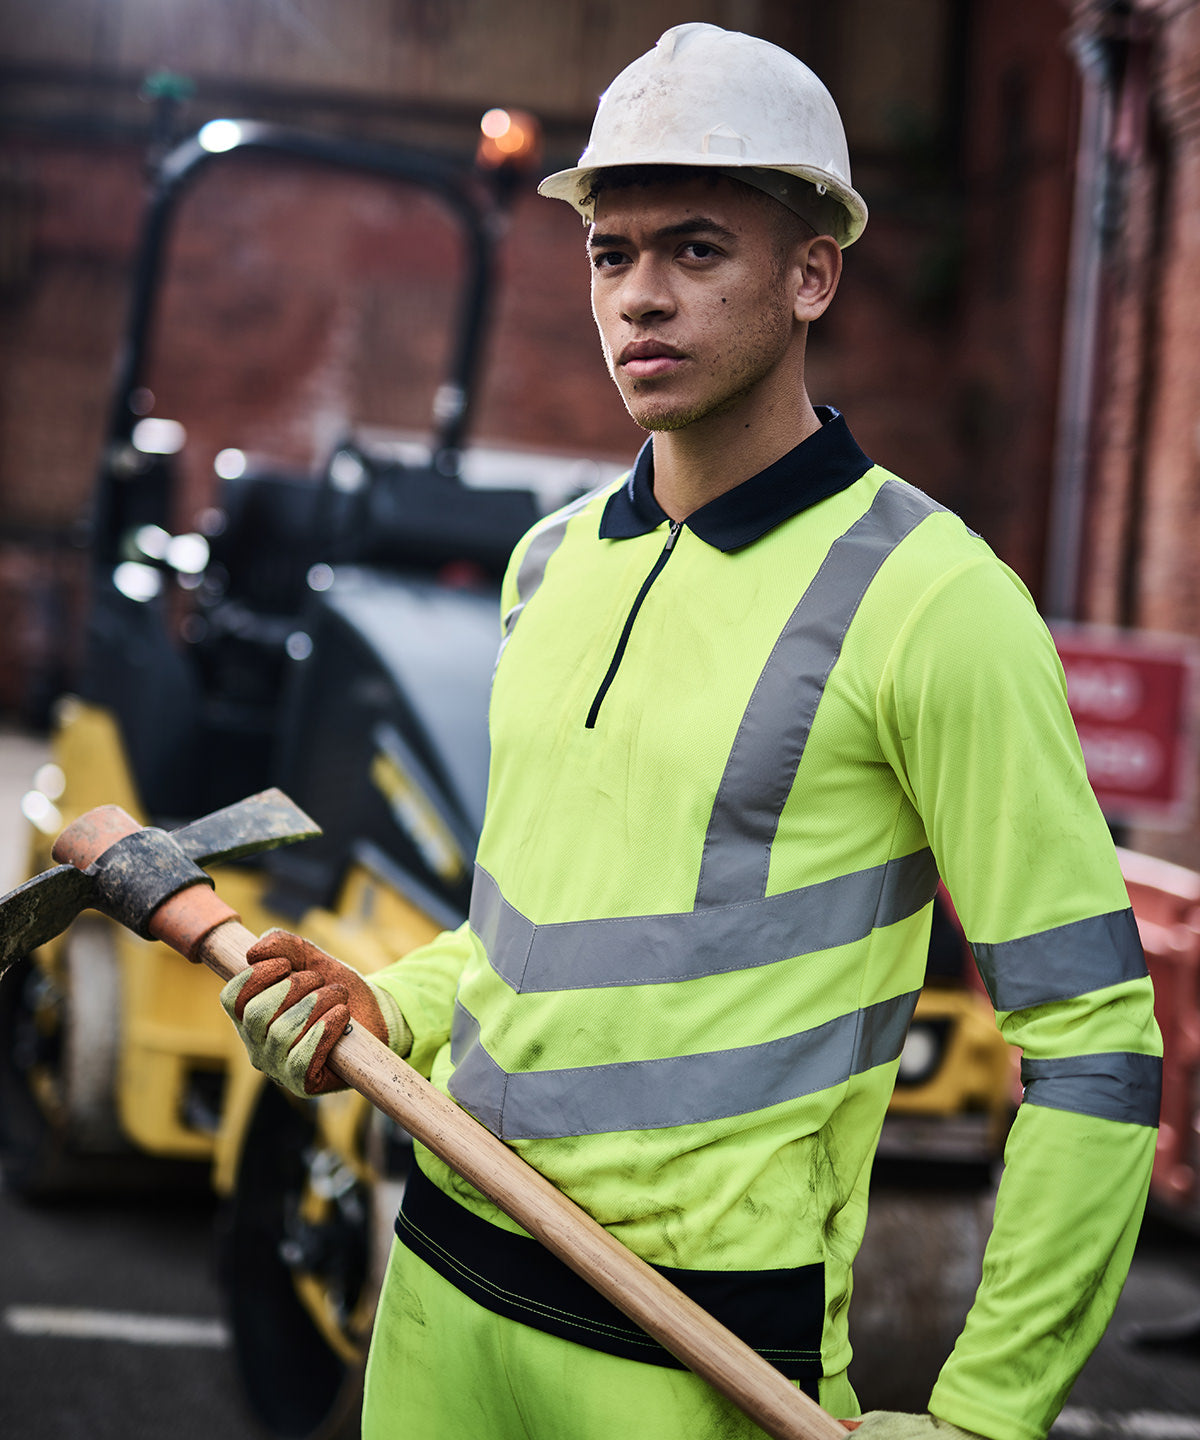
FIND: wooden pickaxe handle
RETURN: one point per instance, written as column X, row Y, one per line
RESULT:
column 198, row 924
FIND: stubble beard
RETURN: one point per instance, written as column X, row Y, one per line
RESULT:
column 767, row 345
column 650, row 418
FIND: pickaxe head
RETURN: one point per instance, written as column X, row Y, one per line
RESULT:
column 127, row 872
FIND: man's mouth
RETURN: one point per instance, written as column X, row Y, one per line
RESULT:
column 644, row 359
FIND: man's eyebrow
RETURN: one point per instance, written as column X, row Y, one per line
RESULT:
column 697, row 225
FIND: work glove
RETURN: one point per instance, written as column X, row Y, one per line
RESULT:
column 895, row 1425
column 292, row 1005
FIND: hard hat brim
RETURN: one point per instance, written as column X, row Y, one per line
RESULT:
column 575, row 184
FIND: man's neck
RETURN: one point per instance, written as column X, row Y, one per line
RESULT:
column 696, row 464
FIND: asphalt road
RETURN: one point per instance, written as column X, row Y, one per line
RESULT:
column 111, row 1325
column 111, row 1321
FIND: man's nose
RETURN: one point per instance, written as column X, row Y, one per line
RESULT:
column 647, row 292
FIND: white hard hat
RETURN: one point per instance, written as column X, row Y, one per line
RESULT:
column 717, row 98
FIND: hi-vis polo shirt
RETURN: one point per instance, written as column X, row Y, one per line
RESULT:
column 730, row 759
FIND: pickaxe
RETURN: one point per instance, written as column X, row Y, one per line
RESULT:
column 151, row 881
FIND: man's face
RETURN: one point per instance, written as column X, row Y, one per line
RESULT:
column 693, row 297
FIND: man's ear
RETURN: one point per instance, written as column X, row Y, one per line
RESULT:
column 818, row 269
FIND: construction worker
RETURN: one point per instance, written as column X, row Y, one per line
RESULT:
column 750, row 701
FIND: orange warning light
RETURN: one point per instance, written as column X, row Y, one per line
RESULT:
column 508, row 137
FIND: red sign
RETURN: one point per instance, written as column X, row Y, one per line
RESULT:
column 1131, row 695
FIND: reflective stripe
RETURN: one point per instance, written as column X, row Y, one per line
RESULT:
column 1118, row 1086
column 481, row 1088
column 657, row 949
column 532, row 569
column 1061, row 963
column 681, row 1090
column 774, row 729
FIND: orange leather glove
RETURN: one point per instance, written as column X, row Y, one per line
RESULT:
column 293, row 1004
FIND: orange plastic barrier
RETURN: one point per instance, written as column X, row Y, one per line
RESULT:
column 1166, row 903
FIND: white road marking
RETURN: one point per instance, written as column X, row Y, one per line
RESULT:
column 68, row 1324
column 1136, row 1425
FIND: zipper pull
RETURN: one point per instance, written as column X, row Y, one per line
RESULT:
column 663, row 556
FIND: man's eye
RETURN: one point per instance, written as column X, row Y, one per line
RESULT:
column 699, row 250
column 606, row 259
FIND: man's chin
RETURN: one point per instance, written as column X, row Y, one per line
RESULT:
column 662, row 412
column 668, row 417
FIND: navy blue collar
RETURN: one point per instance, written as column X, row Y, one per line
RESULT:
column 828, row 461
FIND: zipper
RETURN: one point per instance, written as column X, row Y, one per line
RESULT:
column 615, row 663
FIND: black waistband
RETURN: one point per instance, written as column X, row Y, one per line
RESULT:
column 779, row 1313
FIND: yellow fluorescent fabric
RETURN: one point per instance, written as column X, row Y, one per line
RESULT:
column 941, row 725
column 456, row 1371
